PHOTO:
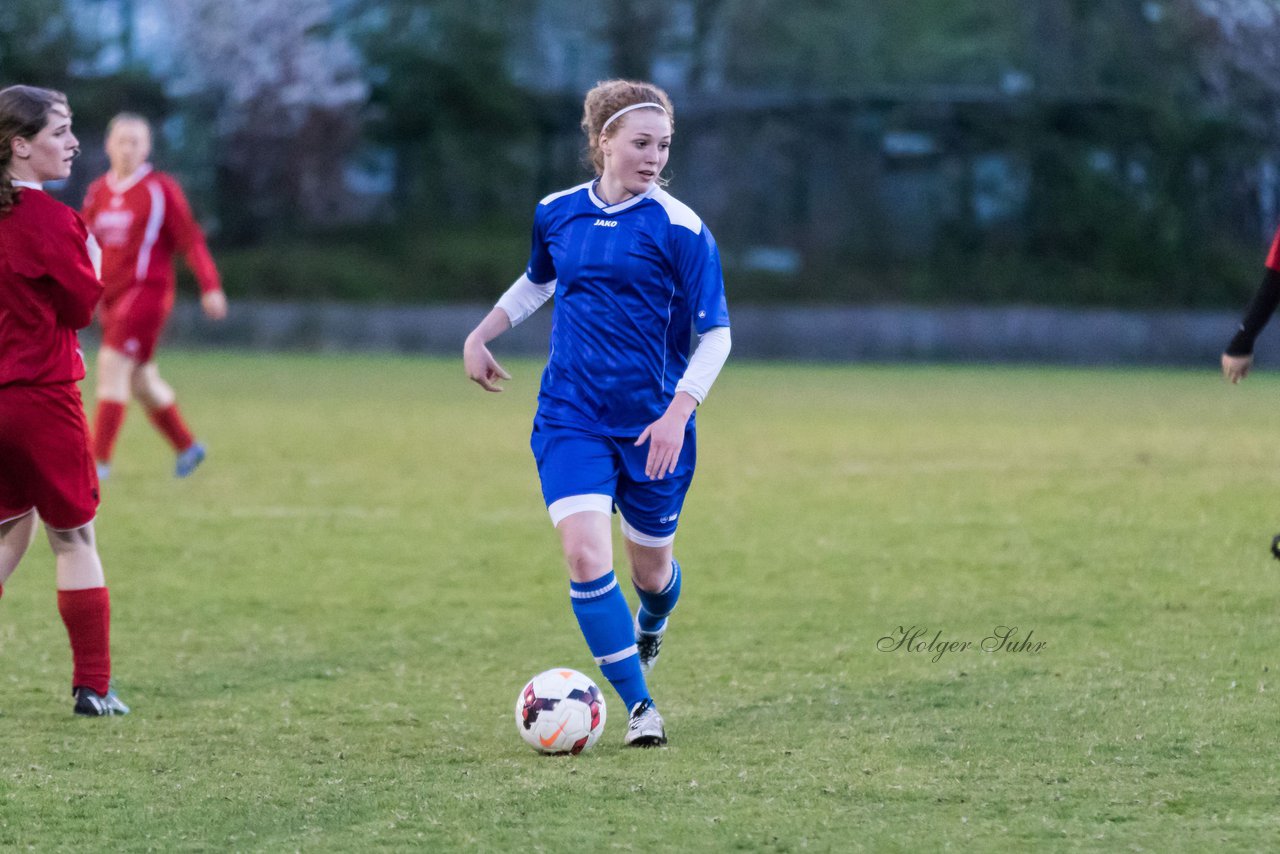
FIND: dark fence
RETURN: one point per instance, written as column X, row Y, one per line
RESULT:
column 836, row 333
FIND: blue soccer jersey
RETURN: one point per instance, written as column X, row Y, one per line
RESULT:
column 631, row 279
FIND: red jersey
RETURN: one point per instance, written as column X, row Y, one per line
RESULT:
column 1273, row 257
column 140, row 222
column 47, row 291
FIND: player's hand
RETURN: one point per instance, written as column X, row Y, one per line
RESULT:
column 666, row 437
column 481, row 367
column 214, row 305
column 1236, row 368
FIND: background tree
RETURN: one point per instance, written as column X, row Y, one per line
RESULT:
column 41, row 44
column 633, row 30
column 280, row 88
column 443, row 101
column 1241, row 58
column 38, row 42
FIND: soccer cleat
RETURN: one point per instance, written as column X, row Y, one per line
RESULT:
column 1275, row 547
column 649, row 645
column 104, row 471
column 91, row 704
column 188, row 460
column 645, row 729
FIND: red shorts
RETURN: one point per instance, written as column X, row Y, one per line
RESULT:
column 45, row 461
column 132, row 323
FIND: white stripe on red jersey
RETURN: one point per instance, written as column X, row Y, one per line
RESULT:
column 154, row 221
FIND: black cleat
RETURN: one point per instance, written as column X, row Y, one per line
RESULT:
column 1275, row 547
column 645, row 729
column 91, row 704
column 649, row 646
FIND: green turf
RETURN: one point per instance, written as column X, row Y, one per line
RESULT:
column 323, row 631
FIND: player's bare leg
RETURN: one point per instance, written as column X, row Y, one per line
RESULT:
column 605, row 618
column 158, row 399
column 85, row 607
column 15, row 538
column 656, row 577
column 651, row 568
column 114, row 372
column 76, row 558
column 588, row 545
column 150, row 388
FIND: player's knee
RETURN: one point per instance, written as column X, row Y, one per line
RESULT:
column 650, row 568
column 586, row 558
column 650, row 557
column 72, row 541
column 587, row 540
column 141, row 388
column 586, row 563
column 152, row 391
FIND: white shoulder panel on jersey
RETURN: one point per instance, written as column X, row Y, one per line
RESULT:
column 551, row 198
column 678, row 211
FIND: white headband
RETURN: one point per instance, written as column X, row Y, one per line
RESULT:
column 611, row 119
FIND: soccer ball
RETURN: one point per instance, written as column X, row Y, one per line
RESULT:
column 560, row 711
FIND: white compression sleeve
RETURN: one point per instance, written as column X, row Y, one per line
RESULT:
column 705, row 363
column 95, row 255
column 524, row 298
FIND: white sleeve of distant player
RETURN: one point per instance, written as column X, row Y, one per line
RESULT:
column 95, row 255
column 524, row 298
column 705, row 363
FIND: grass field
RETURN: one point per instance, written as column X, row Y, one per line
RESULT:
column 322, row 632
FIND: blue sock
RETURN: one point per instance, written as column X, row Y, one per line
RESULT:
column 656, row 607
column 605, row 620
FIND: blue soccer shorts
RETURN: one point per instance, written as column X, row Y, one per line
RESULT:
column 581, row 470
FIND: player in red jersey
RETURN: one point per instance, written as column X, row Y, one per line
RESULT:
column 141, row 218
column 48, row 288
column 1237, row 359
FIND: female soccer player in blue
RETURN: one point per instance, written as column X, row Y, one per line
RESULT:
column 632, row 270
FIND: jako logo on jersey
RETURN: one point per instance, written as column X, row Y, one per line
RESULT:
column 607, row 223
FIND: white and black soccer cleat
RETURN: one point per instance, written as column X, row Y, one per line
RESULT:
column 91, row 704
column 649, row 646
column 645, row 729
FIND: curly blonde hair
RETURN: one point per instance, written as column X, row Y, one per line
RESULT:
column 24, row 111
column 605, row 99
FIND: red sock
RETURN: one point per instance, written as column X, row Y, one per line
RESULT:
column 106, row 426
column 87, row 616
column 169, row 422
